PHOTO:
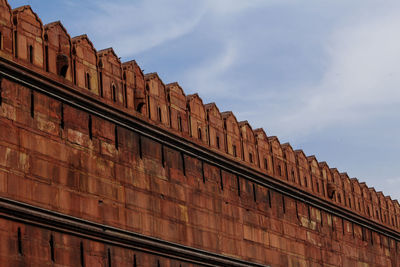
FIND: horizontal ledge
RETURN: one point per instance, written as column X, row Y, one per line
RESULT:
column 71, row 96
column 58, row 222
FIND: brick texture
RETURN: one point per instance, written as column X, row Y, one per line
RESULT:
column 60, row 158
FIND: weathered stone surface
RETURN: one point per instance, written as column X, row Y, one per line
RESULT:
column 61, row 158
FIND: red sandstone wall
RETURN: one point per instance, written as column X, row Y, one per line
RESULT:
column 60, row 158
column 24, row 245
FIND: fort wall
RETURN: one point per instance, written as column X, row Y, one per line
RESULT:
column 62, row 158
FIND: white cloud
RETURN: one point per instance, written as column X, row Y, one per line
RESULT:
column 229, row 7
column 207, row 75
column 391, row 187
column 142, row 25
column 362, row 79
column 393, row 181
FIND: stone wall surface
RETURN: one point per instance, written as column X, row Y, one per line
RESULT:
column 62, row 158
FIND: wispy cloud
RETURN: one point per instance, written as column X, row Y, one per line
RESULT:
column 142, row 25
column 229, row 7
column 361, row 81
column 209, row 75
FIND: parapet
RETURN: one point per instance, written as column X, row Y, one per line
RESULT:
column 51, row 51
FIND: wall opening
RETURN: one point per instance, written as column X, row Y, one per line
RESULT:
column 63, row 71
column 109, row 257
column 30, row 53
column 179, row 123
column 101, row 83
column 254, row 193
column 202, row 172
column 183, row 164
column 46, row 55
column 148, row 106
column 90, row 127
column 15, row 44
column 269, row 198
column 19, row 241
column 113, row 92
column 82, row 254
column 116, row 137
column 238, row 184
column 140, row 108
column 221, row 180
column 32, row 104
column 62, row 115
column 159, row 114
column 87, row 81
column 51, row 243
column 74, row 70
column 125, row 96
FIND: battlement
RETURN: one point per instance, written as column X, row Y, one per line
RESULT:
column 100, row 75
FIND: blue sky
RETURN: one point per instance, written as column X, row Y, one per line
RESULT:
column 321, row 75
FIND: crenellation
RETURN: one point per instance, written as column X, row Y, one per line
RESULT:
column 57, row 51
column 113, row 90
column 28, row 36
column 6, row 30
column 264, row 151
column 197, row 118
column 179, row 118
column 375, row 204
column 327, row 181
column 339, row 195
column 84, row 65
column 390, row 211
column 277, row 158
column 357, row 195
column 133, row 87
column 316, row 177
column 303, row 170
column 396, row 213
column 232, row 134
column 68, row 160
column 134, row 80
column 215, row 125
column 248, row 144
column 157, row 104
column 366, row 200
column 291, row 167
column 382, row 207
column 347, row 191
